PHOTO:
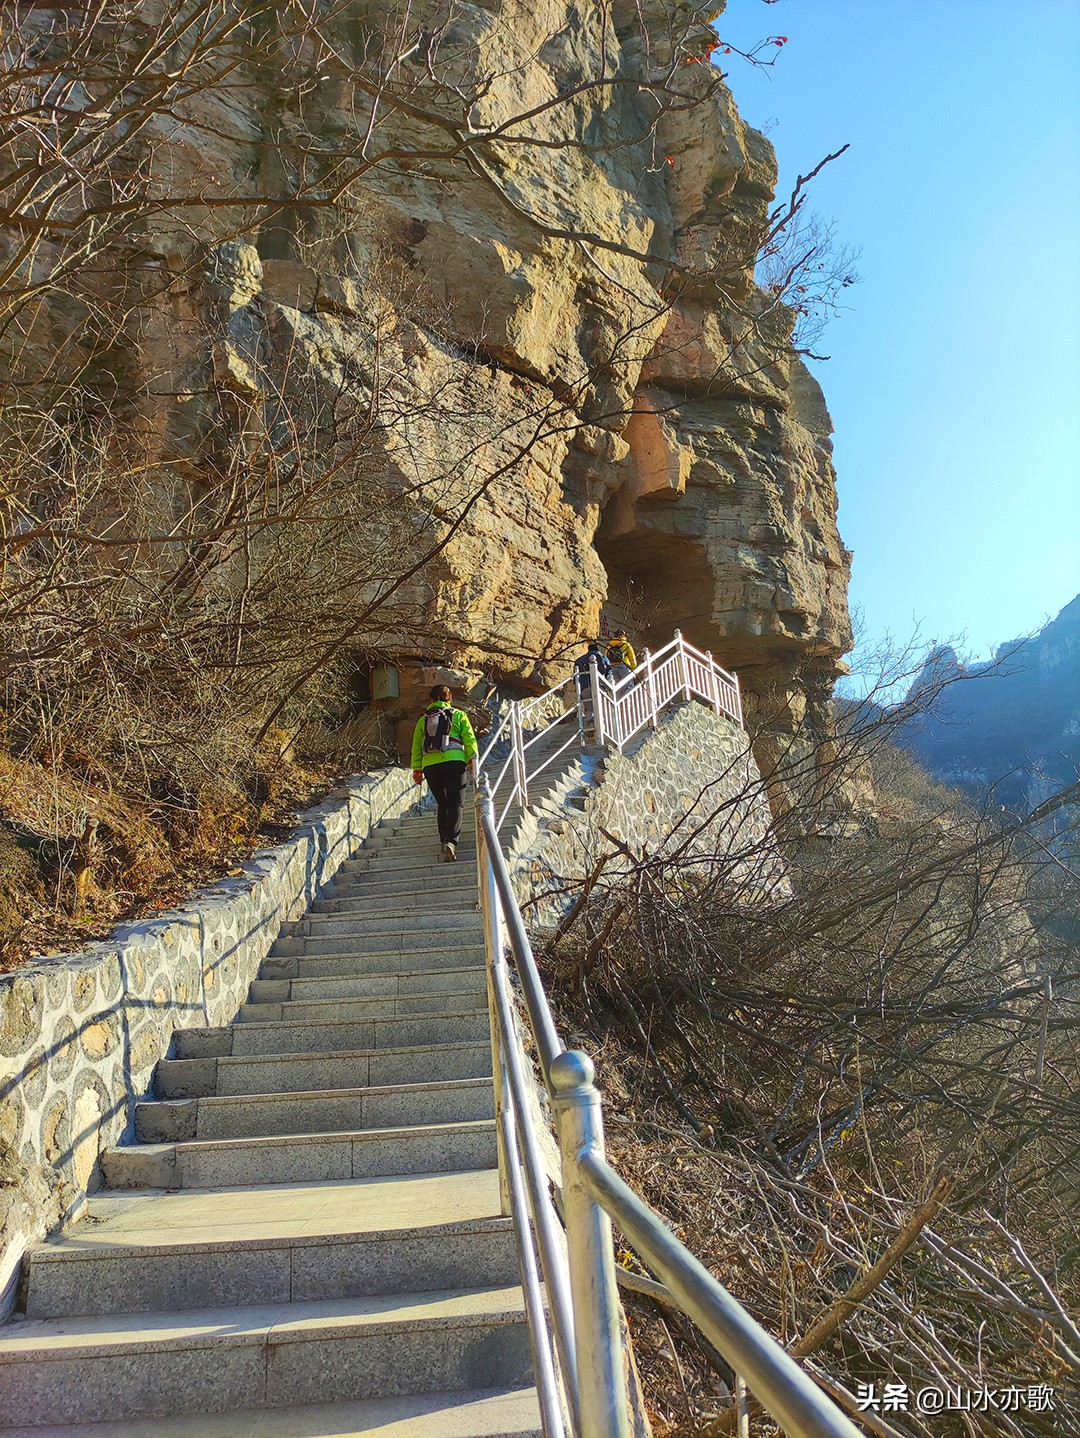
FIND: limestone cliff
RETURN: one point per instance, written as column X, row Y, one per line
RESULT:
column 604, row 407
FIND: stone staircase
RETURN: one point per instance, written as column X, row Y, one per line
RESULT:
column 562, row 782
column 305, row 1238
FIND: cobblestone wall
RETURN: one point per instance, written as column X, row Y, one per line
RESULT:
column 694, row 771
column 80, row 1034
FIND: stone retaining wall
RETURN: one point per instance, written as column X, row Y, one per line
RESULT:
column 694, row 772
column 80, row 1034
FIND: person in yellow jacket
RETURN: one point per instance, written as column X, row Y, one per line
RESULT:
column 443, row 750
column 621, row 656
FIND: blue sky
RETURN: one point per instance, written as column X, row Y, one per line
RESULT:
column 954, row 382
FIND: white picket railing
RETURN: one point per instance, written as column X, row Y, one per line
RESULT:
column 625, row 706
column 606, row 712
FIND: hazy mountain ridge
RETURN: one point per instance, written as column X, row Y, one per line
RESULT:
column 1012, row 725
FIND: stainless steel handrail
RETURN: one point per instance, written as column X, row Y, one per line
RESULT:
column 789, row 1394
column 581, row 1341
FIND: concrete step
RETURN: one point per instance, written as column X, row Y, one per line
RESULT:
column 345, row 960
column 434, row 867
column 420, row 832
column 220, row 1360
column 359, row 939
column 448, row 923
column 302, row 1158
column 243, row 1039
column 320, row 1111
column 436, row 890
column 390, row 867
column 297, row 1243
column 495, row 1413
column 371, row 1006
column 460, row 899
column 421, row 843
column 302, row 1073
column 362, row 986
column 400, row 862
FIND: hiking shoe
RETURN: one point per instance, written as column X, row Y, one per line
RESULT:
column 449, row 852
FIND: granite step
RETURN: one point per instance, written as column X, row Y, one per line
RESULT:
column 303, row 1157
column 448, row 924
column 295, row 1243
column 495, row 1413
column 357, row 986
column 158, row 1365
column 368, row 1006
column 356, row 939
column 456, row 900
column 319, row 1111
column 422, row 863
column 346, row 960
column 392, row 867
column 436, row 891
column 302, row 1073
column 276, row 1038
column 421, row 843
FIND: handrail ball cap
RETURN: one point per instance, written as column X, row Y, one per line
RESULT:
column 571, row 1074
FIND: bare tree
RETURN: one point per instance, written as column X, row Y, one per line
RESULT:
column 875, row 1042
column 209, row 512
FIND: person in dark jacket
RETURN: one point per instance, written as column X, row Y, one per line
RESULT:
column 583, row 664
column 443, row 752
column 583, row 675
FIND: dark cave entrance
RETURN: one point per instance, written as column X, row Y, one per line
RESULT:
column 657, row 582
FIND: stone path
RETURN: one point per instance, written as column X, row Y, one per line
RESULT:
column 305, row 1239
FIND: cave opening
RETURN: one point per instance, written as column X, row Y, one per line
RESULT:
column 657, row 583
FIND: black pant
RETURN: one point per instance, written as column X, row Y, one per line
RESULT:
column 446, row 780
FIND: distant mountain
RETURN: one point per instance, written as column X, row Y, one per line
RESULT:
column 1012, row 724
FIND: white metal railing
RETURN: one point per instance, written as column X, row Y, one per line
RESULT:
column 568, row 1266
column 611, row 711
column 625, row 706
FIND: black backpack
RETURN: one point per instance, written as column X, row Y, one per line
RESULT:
column 437, row 724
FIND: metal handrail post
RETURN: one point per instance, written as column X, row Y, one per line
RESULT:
column 738, row 700
column 597, row 713
column 547, row 1384
column 493, row 948
column 579, row 690
column 684, row 663
column 714, row 682
column 517, row 738
column 742, row 1407
column 603, row 1410
column 650, row 685
column 789, row 1394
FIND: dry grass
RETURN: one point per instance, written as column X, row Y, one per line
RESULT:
column 787, row 1079
column 148, row 856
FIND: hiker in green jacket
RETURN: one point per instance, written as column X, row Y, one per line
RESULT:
column 443, row 750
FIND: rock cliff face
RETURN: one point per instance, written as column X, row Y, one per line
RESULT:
column 604, row 407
